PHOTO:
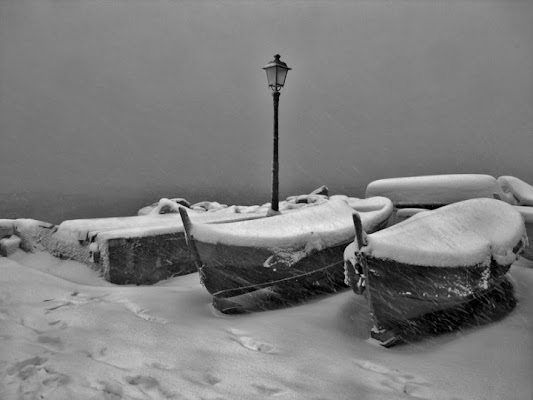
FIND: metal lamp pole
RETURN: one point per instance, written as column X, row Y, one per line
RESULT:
column 276, row 74
column 275, row 158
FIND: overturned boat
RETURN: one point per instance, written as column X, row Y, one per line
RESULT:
column 282, row 259
column 436, row 260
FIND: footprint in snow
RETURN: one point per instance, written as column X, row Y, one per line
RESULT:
column 267, row 390
column 100, row 355
column 50, row 341
column 95, row 355
column 147, row 384
column 374, row 367
column 211, row 379
column 76, row 299
column 249, row 342
column 35, row 379
column 418, row 390
column 138, row 311
column 403, row 383
column 161, row 366
column 111, row 390
column 59, row 324
column 34, row 361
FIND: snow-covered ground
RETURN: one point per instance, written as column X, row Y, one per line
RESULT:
column 67, row 334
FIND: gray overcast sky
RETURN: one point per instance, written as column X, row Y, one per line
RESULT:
column 103, row 94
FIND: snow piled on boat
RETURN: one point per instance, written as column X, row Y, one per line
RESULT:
column 373, row 210
column 139, row 226
column 471, row 232
column 305, row 230
column 437, row 189
column 67, row 334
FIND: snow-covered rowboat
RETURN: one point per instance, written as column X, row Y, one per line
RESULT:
column 287, row 257
column 436, row 260
column 433, row 191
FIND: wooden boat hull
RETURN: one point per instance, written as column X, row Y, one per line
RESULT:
column 279, row 261
column 483, row 307
column 422, row 267
column 228, row 272
column 408, row 299
column 402, row 291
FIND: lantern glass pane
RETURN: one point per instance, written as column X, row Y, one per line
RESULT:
column 281, row 75
column 271, row 76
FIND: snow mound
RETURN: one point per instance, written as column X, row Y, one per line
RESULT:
column 307, row 199
column 30, row 234
column 166, row 206
column 437, row 189
column 307, row 229
column 208, row 206
column 9, row 245
column 6, row 227
column 471, row 232
column 171, row 207
column 374, row 210
column 522, row 191
column 86, row 229
column 139, row 226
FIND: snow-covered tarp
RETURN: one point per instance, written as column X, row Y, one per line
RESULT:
column 437, row 189
column 470, row 232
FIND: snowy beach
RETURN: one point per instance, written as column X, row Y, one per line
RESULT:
column 65, row 333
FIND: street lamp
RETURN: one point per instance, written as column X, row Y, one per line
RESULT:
column 276, row 71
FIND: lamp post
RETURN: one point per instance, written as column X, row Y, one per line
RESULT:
column 276, row 71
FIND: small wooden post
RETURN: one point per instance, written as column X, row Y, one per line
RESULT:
column 390, row 338
column 187, row 225
column 358, row 230
column 360, row 268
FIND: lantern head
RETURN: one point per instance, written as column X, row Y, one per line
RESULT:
column 276, row 71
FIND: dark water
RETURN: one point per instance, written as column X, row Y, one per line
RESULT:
column 109, row 105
